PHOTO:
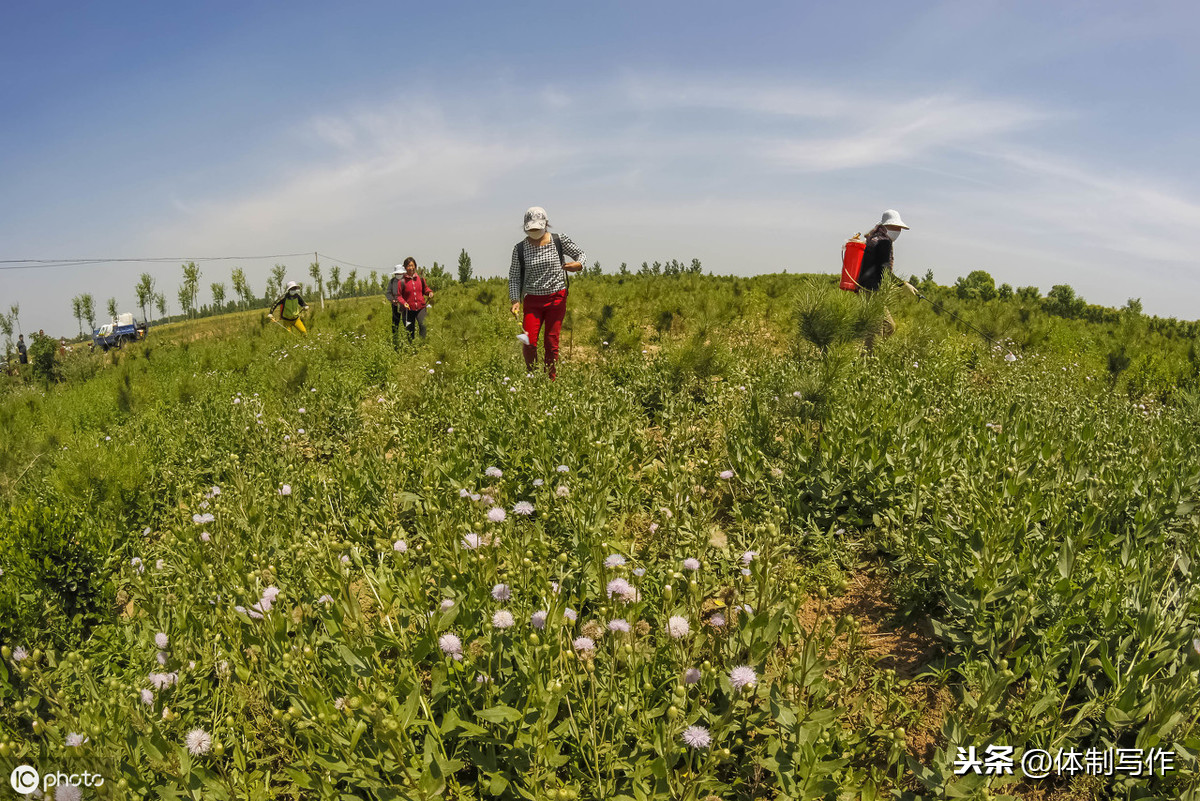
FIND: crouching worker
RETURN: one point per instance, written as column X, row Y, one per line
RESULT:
column 290, row 305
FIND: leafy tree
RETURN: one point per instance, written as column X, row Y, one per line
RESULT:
column 1029, row 293
column 1062, row 301
column 41, row 351
column 335, row 281
column 976, row 285
column 218, row 293
column 112, row 308
column 77, row 311
column 87, row 305
column 14, row 312
column 624, row 268
column 373, row 281
column 275, row 282
column 191, row 284
column 160, row 303
column 240, row 287
column 6, row 328
column 464, row 267
column 145, row 292
column 185, row 299
column 1005, row 292
column 696, row 267
column 351, row 283
column 1133, row 307
column 314, row 270
column 438, row 277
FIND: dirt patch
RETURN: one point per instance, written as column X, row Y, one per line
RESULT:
column 905, row 648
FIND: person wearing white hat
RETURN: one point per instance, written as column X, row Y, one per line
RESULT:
column 290, row 305
column 407, row 291
column 537, row 285
column 877, row 261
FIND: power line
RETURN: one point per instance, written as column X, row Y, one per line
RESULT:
column 33, row 264
column 343, row 261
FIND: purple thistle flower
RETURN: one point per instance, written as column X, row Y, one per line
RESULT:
column 501, row 592
column 743, row 676
column 538, row 621
column 622, row 589
column 697, row 737
column 691, row 676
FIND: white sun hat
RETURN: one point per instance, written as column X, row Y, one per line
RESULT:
column 399, row 270
column 892, row 217
column 292, row 285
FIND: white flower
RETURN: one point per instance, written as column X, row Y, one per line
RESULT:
column 198, row 742
column 537, row 482
column 205, row 536
column 299, row 430
column 726, row 475
column 696, row 737
column 503, row 619
column 325, row 599
column 743, row 676
column 717, row 620
column 562, row 468
column 345, row 559
column 497, row 515
column 19, row 654
column 493, row 472
column 523, row 508
column 745, row 571
column 584, row 645
column 301, row 410
column 501, row 592
column 471, row 541
column 691, row 564
column 620, row 624
column 639, row 571
column 147, row 697
column 562, row 491
column 464, row 493
column 653, row 527
column 161, row 640
column 569, row 615
column 447, row 604
column 450, row 644
column 614, row 560
column 450, row 430
column 691, row 676
column 285, row 490
column 622, row 589
column 748, row 557
column 161, row 658
column 67, row 792
column 538, row 621
column 339, row 703
column 678, row 627
column 400, row 546
column 76, row 740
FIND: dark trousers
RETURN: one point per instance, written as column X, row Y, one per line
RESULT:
column 410, row 319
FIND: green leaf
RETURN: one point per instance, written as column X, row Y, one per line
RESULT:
column 499, row 714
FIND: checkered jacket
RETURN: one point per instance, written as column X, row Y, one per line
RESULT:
column 543, row 273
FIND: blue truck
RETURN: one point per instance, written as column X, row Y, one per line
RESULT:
column 118, row 332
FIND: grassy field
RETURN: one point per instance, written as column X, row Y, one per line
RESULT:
column 726, row 555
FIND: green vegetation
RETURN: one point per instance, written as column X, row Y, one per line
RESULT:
column 344, row 554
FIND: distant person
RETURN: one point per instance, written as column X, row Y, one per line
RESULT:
column 537, row 283
column 877, row 260
column 22, row 354
column 290, row 305
column 408, row 293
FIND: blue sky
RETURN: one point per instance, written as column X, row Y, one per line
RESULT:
column 1044, row 143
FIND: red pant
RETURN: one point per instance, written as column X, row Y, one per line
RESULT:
column 548, row 311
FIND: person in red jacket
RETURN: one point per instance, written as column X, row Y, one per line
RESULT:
column 408, row 293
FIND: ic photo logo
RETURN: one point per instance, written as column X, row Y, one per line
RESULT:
column 24, row 779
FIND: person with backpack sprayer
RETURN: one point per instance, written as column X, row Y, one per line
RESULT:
column 875, row 258
column 290, row 305
column 537, row 282
column 407, row 292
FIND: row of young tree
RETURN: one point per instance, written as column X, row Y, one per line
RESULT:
column 239, row 295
